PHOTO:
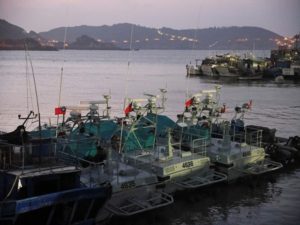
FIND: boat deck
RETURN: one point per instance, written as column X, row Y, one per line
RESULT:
column 181, row 163
column 31, row 172
column 121, row 176
column 232, row 151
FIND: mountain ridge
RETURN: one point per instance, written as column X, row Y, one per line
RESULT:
column 119, row 35
column 234, row 37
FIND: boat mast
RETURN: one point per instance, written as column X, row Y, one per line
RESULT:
column 126, row 85
column 61, row 76
column 37, row 102
column 35, row 88
column 62, row 68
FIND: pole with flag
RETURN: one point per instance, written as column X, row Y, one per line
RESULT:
column 128, row 109
column 189, row 102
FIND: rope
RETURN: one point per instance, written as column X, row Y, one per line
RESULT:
column 126, row 84
column 189, row 69
column 62, row 67
column 34, row 81
column 128, row 63
column 28, row 86
column 12, row 188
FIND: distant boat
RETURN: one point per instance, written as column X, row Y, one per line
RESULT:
column 252, row 68
column 232, row 154
column 229, row 66
column 218, row 66
column 193, row 70
column 286, row 61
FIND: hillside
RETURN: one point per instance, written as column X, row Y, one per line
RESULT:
column 118, row 37
column 86, row 43
column 13, row 37
column 10, row 31
column 167, row 38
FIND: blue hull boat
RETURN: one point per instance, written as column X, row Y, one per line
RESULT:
column 37, row 187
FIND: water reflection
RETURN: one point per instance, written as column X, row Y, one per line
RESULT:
column 255, row 201
column 89, row 74
column 256, row 83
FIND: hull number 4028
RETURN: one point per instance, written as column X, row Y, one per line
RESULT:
column 188, row 164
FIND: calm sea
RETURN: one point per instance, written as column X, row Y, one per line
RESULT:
column 87, row 75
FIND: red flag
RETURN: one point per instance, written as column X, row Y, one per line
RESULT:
column 223, row 109
column 189, row 102
column 250, row 104
column 60, row 111
column 128, row 109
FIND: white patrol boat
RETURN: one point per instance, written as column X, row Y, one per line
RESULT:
column 147, row 144
column 133, row 190
column 232, row 154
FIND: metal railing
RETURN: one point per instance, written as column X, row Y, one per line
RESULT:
column 196, row 141
column 199, row 146
column 46, row 152
column 254, row 138
column 31, row 155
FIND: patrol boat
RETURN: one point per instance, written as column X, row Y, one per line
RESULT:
column 232, row 154
column 146, row 142
column 133, row 190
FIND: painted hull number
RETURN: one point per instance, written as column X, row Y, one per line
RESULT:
column 188, row 164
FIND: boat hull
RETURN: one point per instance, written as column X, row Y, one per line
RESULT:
column 76, row 206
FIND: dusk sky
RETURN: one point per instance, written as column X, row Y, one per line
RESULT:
column 280, row 16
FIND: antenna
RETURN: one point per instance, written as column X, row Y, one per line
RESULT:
column 62, row 70
column 93, row 105
column 62, row 67
column 151, row 95
column 28, row 85
column 163, row 98
column 107, row 97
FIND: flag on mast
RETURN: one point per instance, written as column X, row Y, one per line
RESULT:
column 60, row 111
column 189, row 102
column 128, row 109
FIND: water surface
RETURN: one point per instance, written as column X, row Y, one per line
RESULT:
column 87, row 75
